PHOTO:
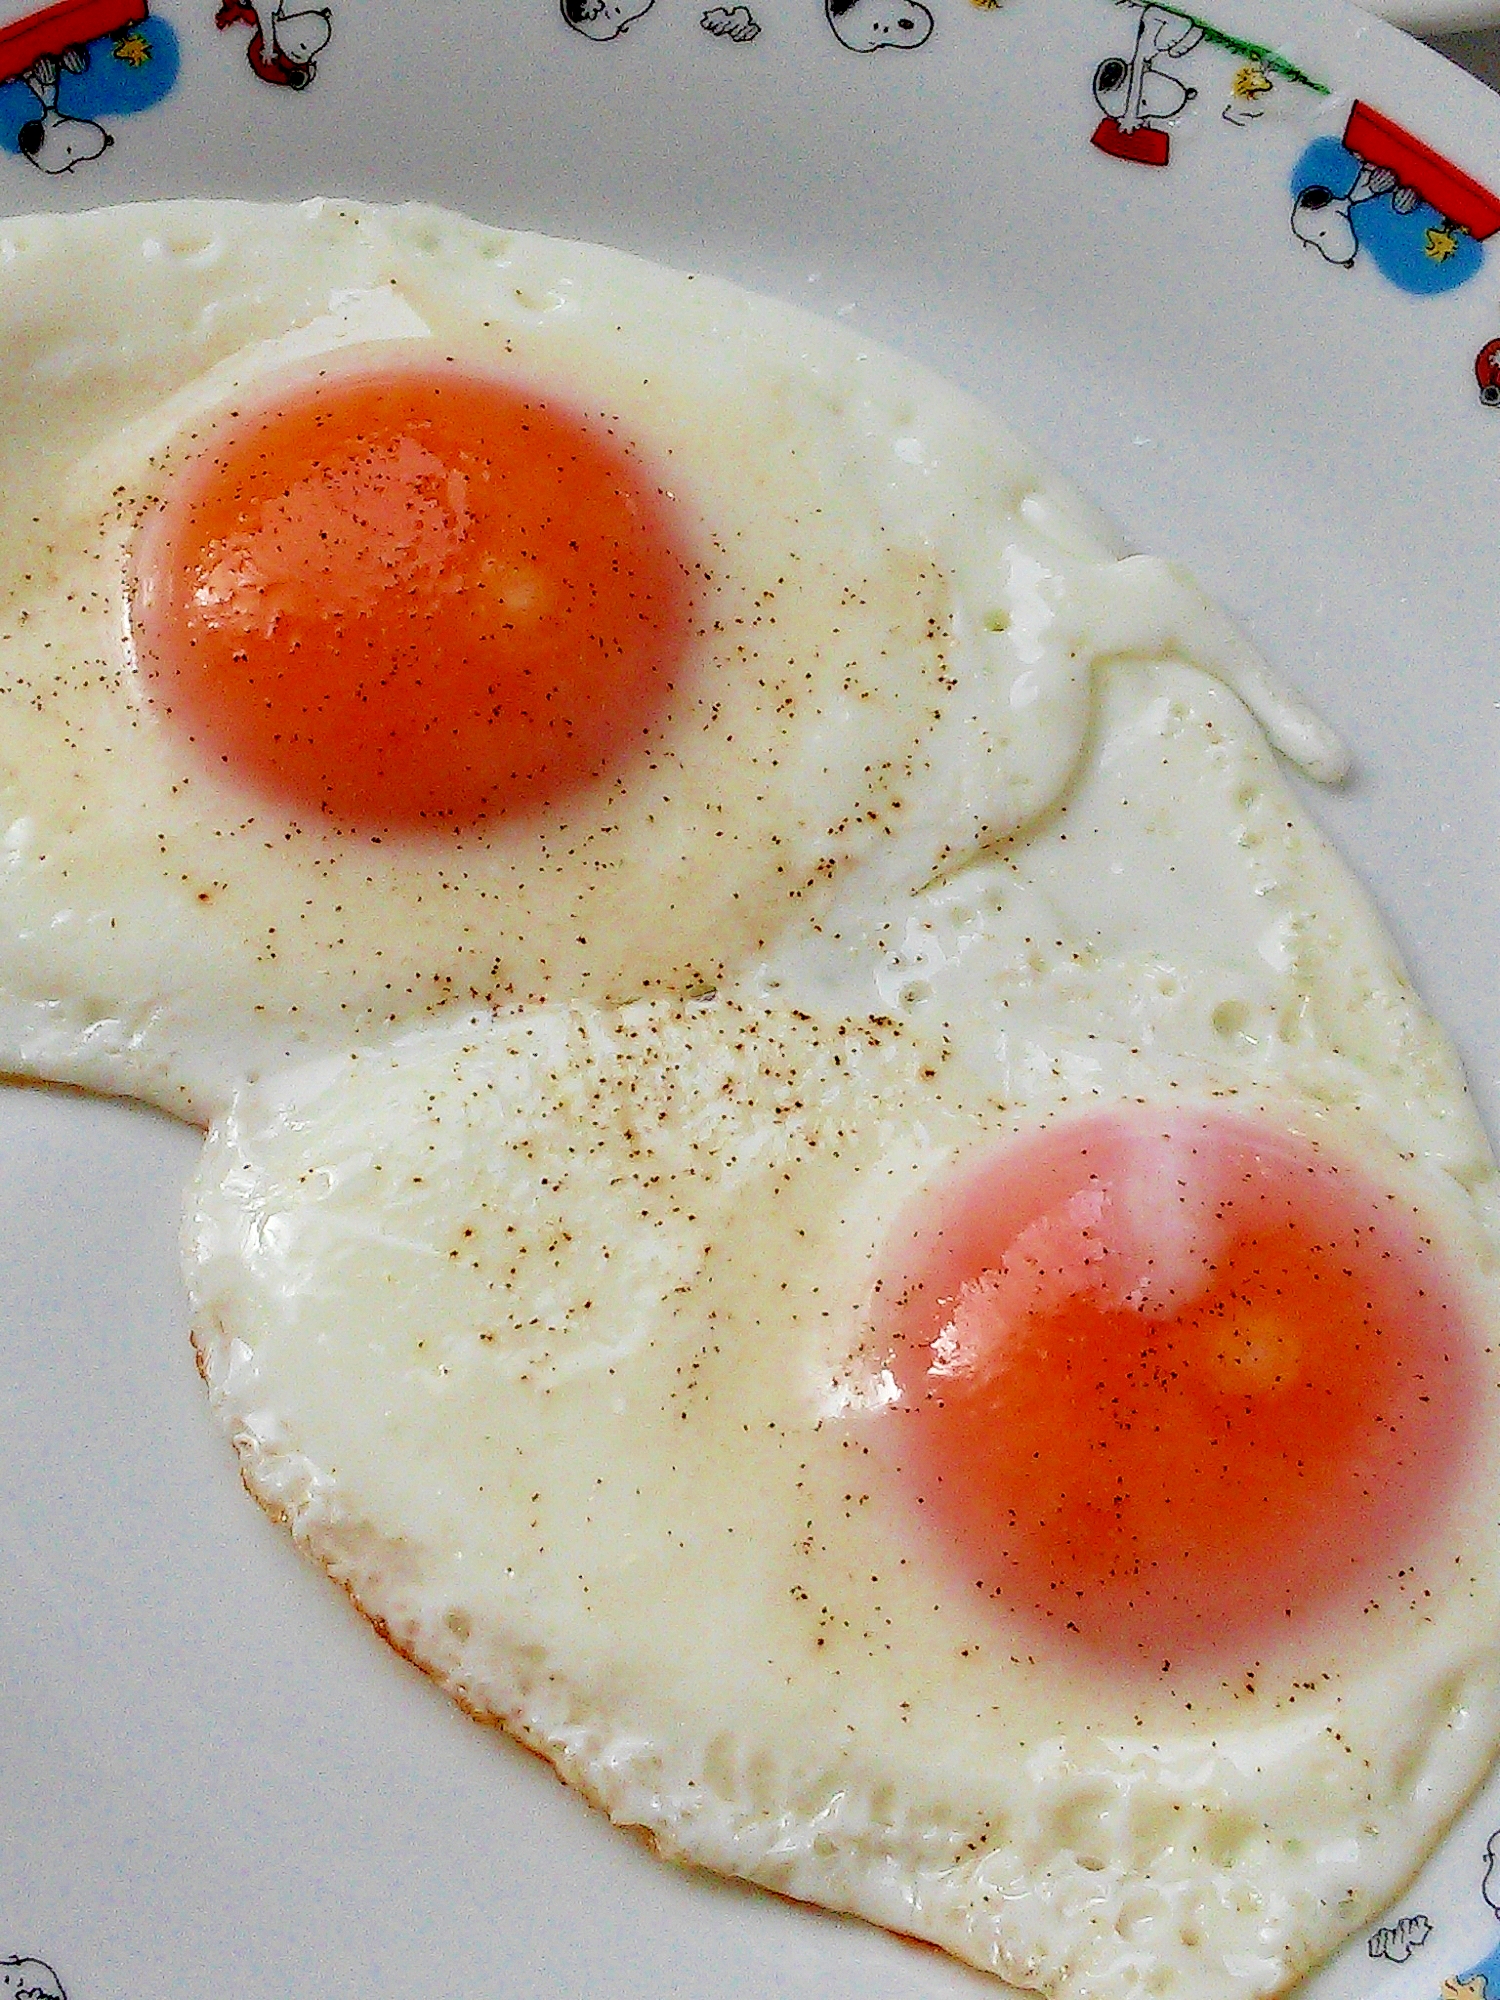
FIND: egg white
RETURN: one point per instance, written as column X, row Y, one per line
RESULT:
column 533, row 1330
column 901, row 623
column 901, row 616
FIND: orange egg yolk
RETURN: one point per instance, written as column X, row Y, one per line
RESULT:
column 414, row 599
column 1166, row 1382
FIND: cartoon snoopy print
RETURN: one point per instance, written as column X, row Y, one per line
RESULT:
column 603, row 20
column 861, row 25
column 54, row 142
column 1482, row 1981
column 867, row 25
column 1325, row 221
column 29, row 1979
column 1378, row 190
column 283, row 47
column 96, row 56
column 1138, row 94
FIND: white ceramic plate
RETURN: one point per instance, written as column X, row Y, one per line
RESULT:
column 213, row 1780
column 1438, row 17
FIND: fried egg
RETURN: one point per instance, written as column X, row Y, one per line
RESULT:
column 398, row 612
column 988, row 1423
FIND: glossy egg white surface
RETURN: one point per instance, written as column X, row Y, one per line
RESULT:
column 535, row 1331
column 896, row 613
column 214, row 1780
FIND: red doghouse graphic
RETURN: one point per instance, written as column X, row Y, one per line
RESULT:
column 1391, row 161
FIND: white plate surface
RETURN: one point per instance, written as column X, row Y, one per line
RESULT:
column 214, row 1781
column 1438, row 17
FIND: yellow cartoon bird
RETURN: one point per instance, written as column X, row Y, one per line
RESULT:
column 1474, row 1988
column 1250, row 80
column 1440, row 245
column 132, row 48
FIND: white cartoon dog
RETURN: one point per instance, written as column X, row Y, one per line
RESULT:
column 29, row 1979
column 55, row 142
column 283, row 47
column 1324, row 221
column 866, row 25
column 1136, row 91
column 603, row 20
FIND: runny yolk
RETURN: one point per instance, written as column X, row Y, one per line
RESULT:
column 412, row 599
column 1166, row 1382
